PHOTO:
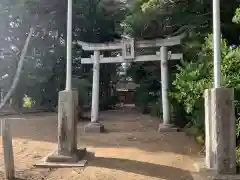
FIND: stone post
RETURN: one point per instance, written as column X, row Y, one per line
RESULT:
column 7, row 149
column 208, row 129
column 67, row 128
column 224, row 130
column 94, row 125
column 67, row 122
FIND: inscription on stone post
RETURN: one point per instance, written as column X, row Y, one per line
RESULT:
column 63, row 133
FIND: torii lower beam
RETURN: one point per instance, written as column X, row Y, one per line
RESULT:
column 162, row 56
column 120, row 59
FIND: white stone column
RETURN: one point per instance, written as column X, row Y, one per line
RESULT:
column 164, row 83
column 209, row 158
column 95, row 87
column 94, row 126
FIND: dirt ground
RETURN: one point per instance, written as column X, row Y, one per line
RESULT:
column 130, row 150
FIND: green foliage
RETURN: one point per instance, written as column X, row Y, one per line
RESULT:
column 238, row 156
column 200, row 139
column 238, row 128
column 236, row 18
column 150, row 19
column 194, row 77
column 237, row 114
column 28, row 102
column 154, row 18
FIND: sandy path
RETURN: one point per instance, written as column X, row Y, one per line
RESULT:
column 131, row 150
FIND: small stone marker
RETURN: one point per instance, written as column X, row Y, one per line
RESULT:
column 7, row 149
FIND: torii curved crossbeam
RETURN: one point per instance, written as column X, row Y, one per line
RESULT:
column 171, row 41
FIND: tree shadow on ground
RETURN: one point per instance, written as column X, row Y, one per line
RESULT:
column 138, row 167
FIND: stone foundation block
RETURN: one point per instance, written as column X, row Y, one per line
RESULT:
column 94, row 128
column 58, row 158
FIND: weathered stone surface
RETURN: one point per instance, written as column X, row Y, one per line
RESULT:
column 223, row 130
column 67, row 123
column 67, row 154
column 94, row 128
column 208, row 129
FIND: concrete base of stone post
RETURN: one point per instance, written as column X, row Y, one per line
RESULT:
column 220, row 130
column 67, row 129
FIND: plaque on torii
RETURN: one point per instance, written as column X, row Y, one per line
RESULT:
column 128, row 51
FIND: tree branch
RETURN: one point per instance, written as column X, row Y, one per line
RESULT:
column 18, row 71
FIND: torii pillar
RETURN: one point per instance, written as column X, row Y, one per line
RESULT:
column 94, row 126
column 166, row 125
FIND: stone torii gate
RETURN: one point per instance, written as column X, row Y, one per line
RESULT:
column 127, row 46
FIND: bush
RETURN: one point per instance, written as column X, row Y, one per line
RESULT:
column 238, row 128
column 238, row 156
column 194, row 77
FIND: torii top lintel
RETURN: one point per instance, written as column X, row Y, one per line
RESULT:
column 171, row 41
